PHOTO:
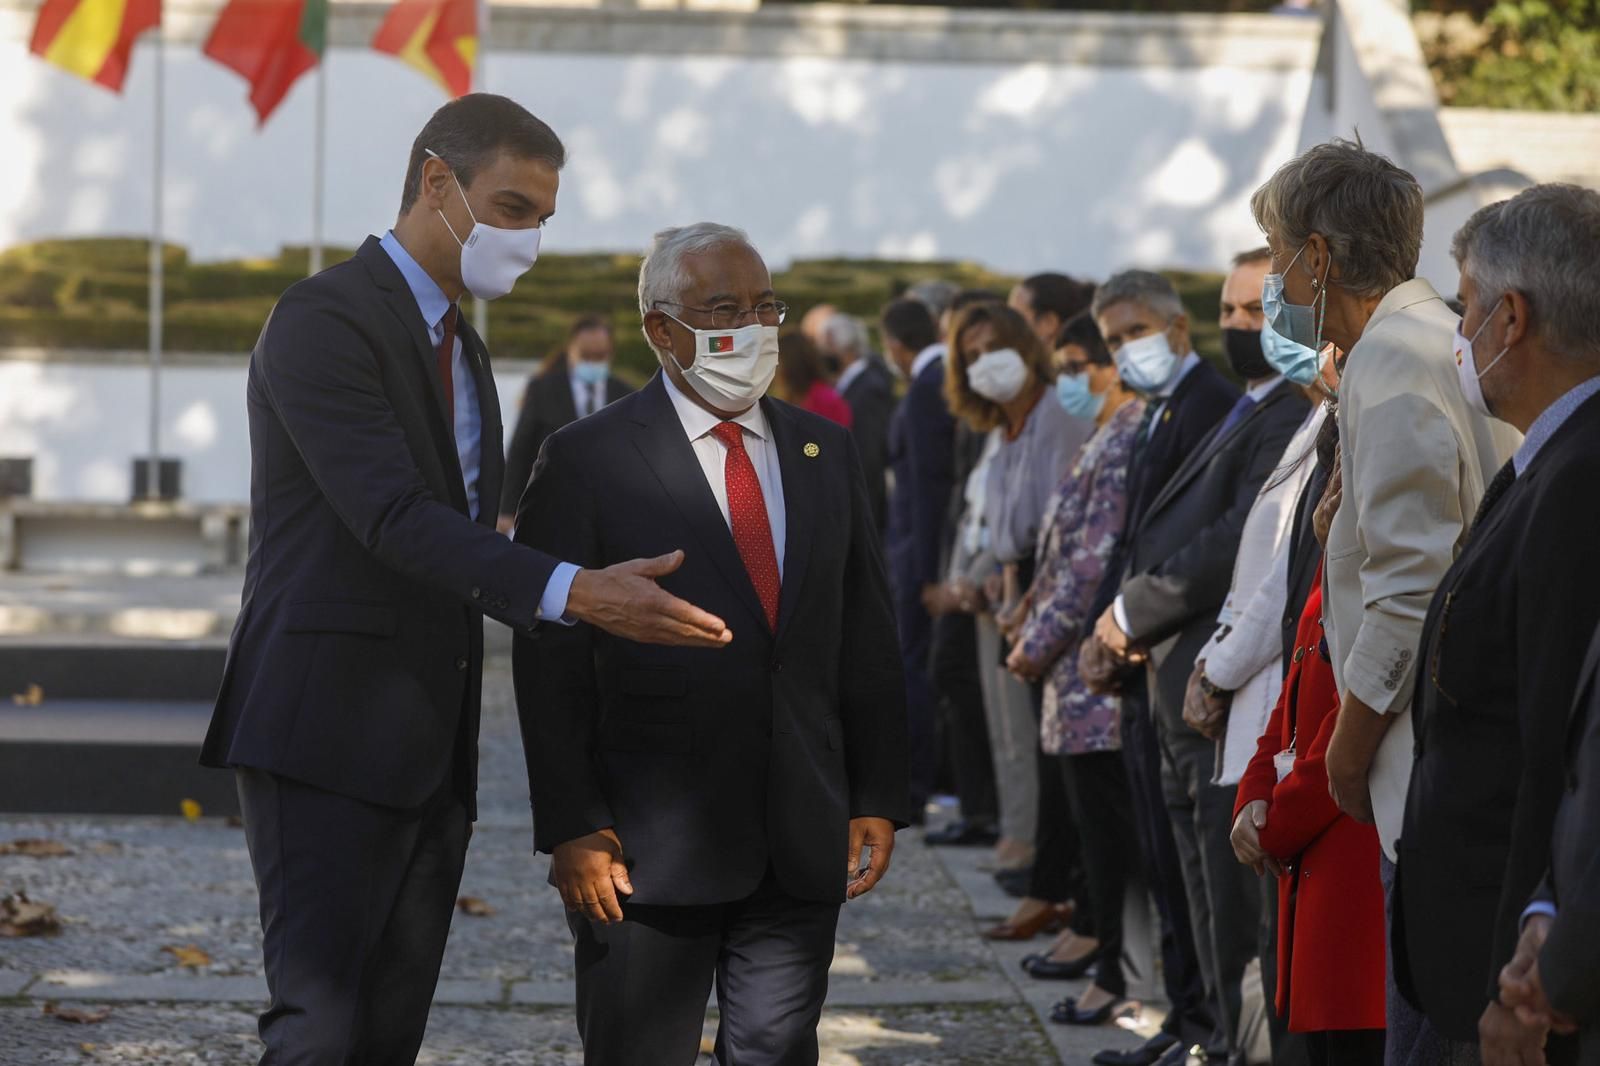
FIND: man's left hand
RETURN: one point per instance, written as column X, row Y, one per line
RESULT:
column 1522, row 988
column 1112, row 636
column 878, row 835
column 1506, row 1041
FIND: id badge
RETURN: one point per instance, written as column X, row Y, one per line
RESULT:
column 1283, row 762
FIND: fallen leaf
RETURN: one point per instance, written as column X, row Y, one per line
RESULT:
column 88, row 1048
column 104, row 847
column 189, row 955
column 76, row 1016
column 32, row 696
column 472, row 905
column 20, row 916
column 35, row 848
column 191, row 810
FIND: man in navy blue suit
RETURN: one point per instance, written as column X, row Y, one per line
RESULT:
column 349, row 703
column 922, row 458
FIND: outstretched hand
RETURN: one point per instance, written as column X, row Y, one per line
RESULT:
column 625, row 601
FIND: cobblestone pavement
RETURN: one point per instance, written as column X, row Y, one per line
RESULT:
column 912, row 982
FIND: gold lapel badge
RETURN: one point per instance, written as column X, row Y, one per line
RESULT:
column 812, row 451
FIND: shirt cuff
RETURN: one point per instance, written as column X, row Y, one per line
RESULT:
column 1120, row 613
column 553, row 604
column 1544, row 907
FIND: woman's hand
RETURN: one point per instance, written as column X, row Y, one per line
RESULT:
column 1322, row 520
column 1246, row 839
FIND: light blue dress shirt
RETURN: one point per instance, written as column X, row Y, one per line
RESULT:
column 468, row 428
column 1554, row 417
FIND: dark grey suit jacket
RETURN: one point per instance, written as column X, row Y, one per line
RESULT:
column 546, row 407
column 1181, row 555
column 871, row 400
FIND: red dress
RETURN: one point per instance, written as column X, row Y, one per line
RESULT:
column 824, row 400
column 1330, row 900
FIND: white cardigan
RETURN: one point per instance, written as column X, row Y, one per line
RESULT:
column 1246, row 654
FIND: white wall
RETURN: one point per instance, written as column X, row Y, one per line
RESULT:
column 1141, row 146
column 85, row 422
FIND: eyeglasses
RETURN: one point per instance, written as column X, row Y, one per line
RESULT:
column 731, row 316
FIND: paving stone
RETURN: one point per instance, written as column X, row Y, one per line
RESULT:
column 12, row 984
column 123, row 988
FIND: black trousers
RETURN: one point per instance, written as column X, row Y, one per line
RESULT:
column 1224, row 894
column 643, row 985
column 1057, row 852
column 966, row 730
column 356, row 902
column 1189, row 1017
column 1102, row 806
column 1288, row 1049
column 1344, row 1047
column 916, row 643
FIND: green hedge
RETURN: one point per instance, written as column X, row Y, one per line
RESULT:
column 94, row 294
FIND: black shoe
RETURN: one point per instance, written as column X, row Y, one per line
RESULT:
column 962, row 834
column 1015, row 883
column 1067, row 1012
column 1146, row 1054
column 1047, row 969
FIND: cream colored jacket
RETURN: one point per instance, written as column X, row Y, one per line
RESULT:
column 1415, row 463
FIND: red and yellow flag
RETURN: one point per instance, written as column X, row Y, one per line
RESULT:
column 93, row 38
column 271, row 43
column 438, row 37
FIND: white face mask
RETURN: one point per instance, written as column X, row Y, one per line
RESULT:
column 732, row 367
column 492, row 259
column 1146, row 364
column 1467, row 366
column 998, row 376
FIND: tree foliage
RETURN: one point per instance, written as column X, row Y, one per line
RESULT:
column 1540, row 55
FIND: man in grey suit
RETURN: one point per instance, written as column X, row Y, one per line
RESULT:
column 1180, row 559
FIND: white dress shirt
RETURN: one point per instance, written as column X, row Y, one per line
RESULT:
column 926, row 358
column 848, row 376
column 713, row 455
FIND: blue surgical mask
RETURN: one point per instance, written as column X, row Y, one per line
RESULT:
column 1301, row 323
column 588, row 373
column 1292, row 359
column 1147, row 364
column 1076, row 398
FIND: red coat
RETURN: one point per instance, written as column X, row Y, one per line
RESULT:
column 1330, row 901
column 824, row 400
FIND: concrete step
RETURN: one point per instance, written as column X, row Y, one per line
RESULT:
column 142, row 670
column 109, row 756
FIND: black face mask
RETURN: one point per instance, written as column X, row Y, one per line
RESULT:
column 1243, row 348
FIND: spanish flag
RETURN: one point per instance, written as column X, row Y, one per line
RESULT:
column 438, row 37
column 270, row 43
column 93, row 38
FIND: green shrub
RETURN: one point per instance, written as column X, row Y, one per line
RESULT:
column 1540, row 55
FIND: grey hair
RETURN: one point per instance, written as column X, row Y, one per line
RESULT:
column 662, row 276
column 1143, row 287
column 846, row 334
column 937, row 296
column 1366, row 208
column 1545, row 244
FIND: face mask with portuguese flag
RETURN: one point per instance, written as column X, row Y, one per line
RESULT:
column 732, row 367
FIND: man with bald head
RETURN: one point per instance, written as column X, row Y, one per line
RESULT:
column 696, row 805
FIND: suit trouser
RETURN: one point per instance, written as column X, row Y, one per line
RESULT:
column 966, row 731
column 1097, row 789
column 1013, row 739
column 1190, row 1017
column 356, row 902
column 1224, row 894
column 916, row 649
column 1288, row 1049
column 643, row 984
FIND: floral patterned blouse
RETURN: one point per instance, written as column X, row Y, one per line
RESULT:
column 1082, row 523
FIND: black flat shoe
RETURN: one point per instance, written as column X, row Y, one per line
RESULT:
column 962, row 834
column 1145, row 1054
column 1015, row 883
column 1067, row 1012
column 1047, row 969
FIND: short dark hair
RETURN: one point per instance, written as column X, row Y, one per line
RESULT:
column 1081, row 331
column 1059, row 293
column 909, row 322
column 585, row 323
column 471, row 132
column 967, row 297
column 1254, row 255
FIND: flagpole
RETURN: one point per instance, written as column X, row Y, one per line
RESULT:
column 480, row 308
column 319, row 162
column 157, row 263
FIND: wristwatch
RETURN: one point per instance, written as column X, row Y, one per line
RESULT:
column 1212, row 690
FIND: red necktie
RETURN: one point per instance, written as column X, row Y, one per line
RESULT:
column 747, row 509
column 446, row 353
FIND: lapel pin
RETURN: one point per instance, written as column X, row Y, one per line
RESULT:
column 1166, row 416
column 812, row 451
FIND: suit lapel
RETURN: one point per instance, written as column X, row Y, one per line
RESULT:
column 423, row 368
column 1214, row 442
column 666, row 449
column 798, row 497
column 563, row 406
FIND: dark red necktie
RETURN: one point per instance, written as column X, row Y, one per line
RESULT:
column 446, row 353
column 747, row 510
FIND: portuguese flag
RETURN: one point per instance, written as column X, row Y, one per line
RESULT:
column 438, row 37
column 270, row 43
column 93, row 38
column 718, row 345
